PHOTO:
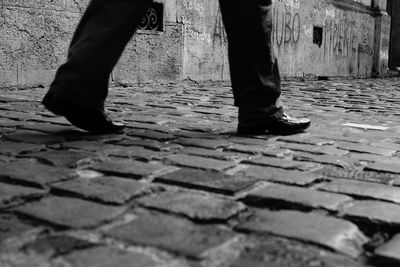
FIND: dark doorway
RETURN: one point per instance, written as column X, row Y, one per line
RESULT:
column 394, row 53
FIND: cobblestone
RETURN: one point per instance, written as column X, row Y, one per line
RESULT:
column 105, row 189
column 199, row 207
column 199, row 162
column 12, row 194
column 33, row 173
column 172, row 234
column 12, row 226
column 329, row 232
column 105, row 257
column 70, row 212
column 179, row 186
column 277, row 175
column 208, row 181
column 292, row 197
column 134, row 169
column 364, row 190
column 390, row 250
column 375, row 212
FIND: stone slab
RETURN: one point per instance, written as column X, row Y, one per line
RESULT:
column 15, row 194
column 107, row 257
column 12, row 226
column 291, row 196
column 364, row 189
column 177, row 235
column 13, row 148
column 199, row 162
column 282, row 163
column 131, row 168
column 34, row 173
column 105, row 189
column 375, row 212
column 330, row 232
column 208, row 181
column 196, row 206
column 281, row 176
column 392, row 167
column 70, row 212
column 390, row 250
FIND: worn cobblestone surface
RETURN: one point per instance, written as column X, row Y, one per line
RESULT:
column 180, row 188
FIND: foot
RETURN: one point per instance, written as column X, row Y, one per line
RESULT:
column 89, row 119
column 279, row 123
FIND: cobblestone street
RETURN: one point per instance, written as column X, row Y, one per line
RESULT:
column 179, row 188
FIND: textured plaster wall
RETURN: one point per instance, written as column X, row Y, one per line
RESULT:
column 205, row 49
column 346, row 48
column 34, row 37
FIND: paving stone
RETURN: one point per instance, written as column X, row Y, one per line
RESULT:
column 318, row 150
column 280, row 175
column 282, row 163
column 206, row 180
column 15, row 194
column 253, row 149
column 131, row 168
column 217, row 154
column 12, row 226
column 13, row 148
column 375, row 212
column 107, row 257
column 34, row 137
column 390, row 250
column 306, row 139
column 366, row 149
column 93, row 146
column 176, row 235
column 364, row 189
column 51, row 128
column 54, row 245
column 330, row 232
column 151, row 135
column 323, row 159
column 279, row 252
column 34, row 173
column 106, row 189
column 70, row 212
column 61, row 158
column 392, row 167
column 204, row 143
column 199, row 162
column 149, row 144
column 196, row 206
column 291, row 197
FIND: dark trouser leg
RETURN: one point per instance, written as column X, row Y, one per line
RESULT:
column 98, row 42
column 253, row 65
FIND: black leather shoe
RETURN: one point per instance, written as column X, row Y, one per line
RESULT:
column 279, row 123
column 89, row 119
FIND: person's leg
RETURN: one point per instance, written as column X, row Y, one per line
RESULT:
column 254, row 68
column 102, row 34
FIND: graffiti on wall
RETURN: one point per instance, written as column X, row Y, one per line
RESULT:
column 287, row 23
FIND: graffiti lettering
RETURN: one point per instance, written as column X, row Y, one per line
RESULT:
column 339, row 37
column 287, row 28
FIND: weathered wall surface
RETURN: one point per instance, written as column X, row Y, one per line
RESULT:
column 205, row 50
column 34, row 37
column 344, row 45
column 311, row 37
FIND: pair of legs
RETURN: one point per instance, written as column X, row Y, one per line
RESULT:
column 108, row 25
